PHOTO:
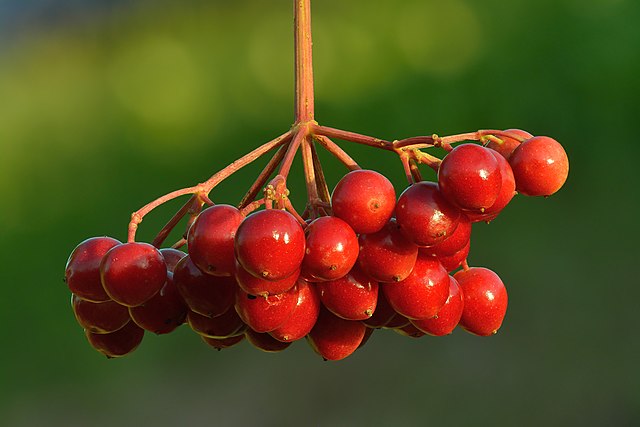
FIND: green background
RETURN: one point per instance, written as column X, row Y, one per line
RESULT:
column 106, row 105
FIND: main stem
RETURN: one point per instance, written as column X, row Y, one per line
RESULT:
column 303, row 61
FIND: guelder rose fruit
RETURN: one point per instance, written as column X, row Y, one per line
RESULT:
column 485, row 300
column 540, row 166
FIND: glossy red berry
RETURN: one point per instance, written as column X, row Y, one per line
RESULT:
column 364, row 199
column 387, row 255
column 303, row 317
column 265, row 342
column 118, row 343
column 264, row 314
column 207, row 295
column 455, row 242
column 509, row 143
column 164, row 312
column 469, row 177
column 485, row 300
column 424, row 215
column 451, row 262
column 211, row 239
column 331, row 250
column 507, row 191
column 335, row 338
column 448, row 316
column 540, row 166
column 220, row 343
column 423, row 293
column 132, row 273
column 99, row 317
column 82, row 272
column 172, row 257
column 270, row 244
column 258, row 286
column 228, row 324
column 352, row 297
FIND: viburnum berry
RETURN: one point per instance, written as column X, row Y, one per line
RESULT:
column 265, row 342
column 507, row 191
column 540, row 166
column 485, row 300
column 164, row 312
column 99, row 317
column 172, row 257
column 303, row 317
column 82, row 272
column 352, row 297
column 264, row 314
column 382, row 315
column 455, row 242
column 118, row 343
column 228, row 324
column 258, row 286
column 448, row 316
column 509, row 143
column 335, row 338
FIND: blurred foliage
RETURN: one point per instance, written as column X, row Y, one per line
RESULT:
column 107, row 105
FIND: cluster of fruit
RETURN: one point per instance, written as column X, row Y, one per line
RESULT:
column 273, row 278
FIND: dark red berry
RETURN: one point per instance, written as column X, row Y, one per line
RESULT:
column 335, row 338
column 118, row 343
column 82, row 272
column 226, row 325
column 382, row 315
column 99, row 317
column 132, row 273
column 352, row 297
column 303, row 317
column 265, row 342
column 508, row 143
column 332, row 249
column 270, row 244
column 220, row 343
column 540, row 166
column 258, row 286
column 164, row 312
column 448, row 316
column 387, row 255
column 364, row 199
column 172, row 257
column 485, row 300
column 264, row 314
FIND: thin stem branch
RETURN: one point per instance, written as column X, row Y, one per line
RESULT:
column 285, row 167
column 352, row 137
column 337, row 152
column 166, row 230
column 303, row 61
column 321, row 181
column 262, row 179
column 309, row 174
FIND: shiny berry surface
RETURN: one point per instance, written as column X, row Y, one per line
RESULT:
column 99, row 317
column 331, row 250
column 82, row 272
column 509, row 143
column 352, row 297
column 448, row 316
column 264, row 314
column 540, row 166
column 485, row 300
column 507, row 192
column 335, row 338
column 164, row 312
column 226, row 325
column 118, row 343
column 303, row 317
column 455, row 242
column 172, row 257
column 259, row 286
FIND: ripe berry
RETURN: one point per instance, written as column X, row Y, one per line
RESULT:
column 469, row 177
column 423, row 293
column 265, row 342
column 387, row 255
column 455, row 242
column 82, row 272
column 507, row 191
column 352, row 297
column 118, row 343
column 451, row 262
column 258, row 286
column 303, row 317
column 335, row 338
column 448, row 316
column 205, row 294
column 540, row 166
column 332, row 249
column 270, row 244
column 220, row 343
column 364, row 199
column 132, row 273
column 172, row 257
column 99, row 317
column 485, row 300
column 382, row 315
column 211, row 239
column 509, row 144
column 164, row 312
column 264, row 314
column 228, row 324
column 424, row 215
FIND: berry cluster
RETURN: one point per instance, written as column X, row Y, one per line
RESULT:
column 360, row 262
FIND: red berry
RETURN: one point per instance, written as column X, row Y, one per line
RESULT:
column 220, row 343
column 509, row 144
column 382, row 315
column 258, row 286
column 507, row 191
column 332, row 249
column 132, row 273
column 264, row 314
column 423, row 293
column 205, row 294
column 540, row 166
column 228, row 324
column 469, row 177
column 99, row 317
column 455, row 242
column 448, row 316
column 82, row 272
column 270, row 244
column 265, row 342
column 451, row 262
column 424, row 215
column 164, row 312
column 387, row 255
column 172, row 257
column 352, row 297
column 211, row 239
column 303, row 317
column 364, row 199
column 485, row 300
column 335, row 338
column 118, row 343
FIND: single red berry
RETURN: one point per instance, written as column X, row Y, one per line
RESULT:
column 409, row 331
column 270, row 244
column 352, row 297
column 331, row 249
column 509, row 143
column 540, row 166
column 335, row 338
column 364, row 199
column 387, row 255
column 507, row 191
column 448, row 316
column 485, row 300
column 265, row 342
column 82, row 272
column 303, row 317
column 220, row 343
column 258, row 286
column 172, row 257
column 264, row 314
column 382, row 315
column 99, row 317
column 451, row 262
column 469, row 177
column 211, row 239
column 205, row 294
column 423, row 293
column 164, row 312
column 455, row 242
column 424, row 215
column 118, row 343
column 132, row 273
column 228, row 324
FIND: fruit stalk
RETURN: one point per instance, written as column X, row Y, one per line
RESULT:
column 304, row 103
